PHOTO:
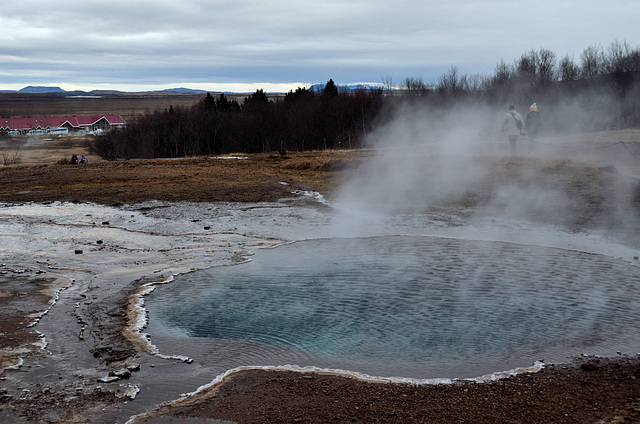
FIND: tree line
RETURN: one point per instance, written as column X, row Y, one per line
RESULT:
column 303, row 120
column 600, row 91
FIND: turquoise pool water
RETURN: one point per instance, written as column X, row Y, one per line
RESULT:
column 410, row 303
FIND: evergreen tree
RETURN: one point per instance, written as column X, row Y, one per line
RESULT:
column 330, row 89
column 300, row 94
column 209, row 102
column 259, row 97
column 225, row 105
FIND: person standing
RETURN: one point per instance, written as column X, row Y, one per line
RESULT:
column 532, row 125
column 513, row 125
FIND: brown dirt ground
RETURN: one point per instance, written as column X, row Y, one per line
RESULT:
column 588, row 391
column 594, row 391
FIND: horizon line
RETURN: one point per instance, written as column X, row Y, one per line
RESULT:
column 205, row 87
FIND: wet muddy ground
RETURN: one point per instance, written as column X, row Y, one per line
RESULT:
column 70, row 274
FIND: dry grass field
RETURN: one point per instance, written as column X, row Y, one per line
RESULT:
column 43, row 173
column 127, row 105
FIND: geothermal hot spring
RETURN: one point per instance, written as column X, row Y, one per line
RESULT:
column 406, row 300
column 403, row 306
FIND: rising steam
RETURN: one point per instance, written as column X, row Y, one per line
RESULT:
column 426, row 158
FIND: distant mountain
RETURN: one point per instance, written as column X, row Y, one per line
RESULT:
column 356, row 86
column 181, row 90
column 41, row 89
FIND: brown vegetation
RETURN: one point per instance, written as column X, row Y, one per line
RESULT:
column 241, row 178
column 128, row 105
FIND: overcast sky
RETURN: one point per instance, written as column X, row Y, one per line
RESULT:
column 242, row 45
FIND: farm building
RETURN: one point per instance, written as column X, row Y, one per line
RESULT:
column 58, row 124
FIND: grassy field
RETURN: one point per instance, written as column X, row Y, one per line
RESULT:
column 43, row 173
column 127, row 105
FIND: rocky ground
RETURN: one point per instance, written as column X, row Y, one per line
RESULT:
column 598, row 184
column 588, row 391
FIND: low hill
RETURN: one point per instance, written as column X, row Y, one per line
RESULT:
column 41, row 89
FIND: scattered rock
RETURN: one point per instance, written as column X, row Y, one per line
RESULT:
column 122, row 373
column 78, row 252
column 128, row 391
column 132, row 366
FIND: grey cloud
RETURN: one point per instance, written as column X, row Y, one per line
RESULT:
column 277, row 40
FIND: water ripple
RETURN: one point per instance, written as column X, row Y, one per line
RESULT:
column 409, row 302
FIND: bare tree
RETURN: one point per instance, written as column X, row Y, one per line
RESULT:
column 569, row 71
column 591, row 62
column 476, row 83
column 546, row 67
column 12, row 156
column 387, row 83
column 536, row 68
column 527, row 65
column 621, row 57
column 503, row 73
column 449, row 83
column 414, row 86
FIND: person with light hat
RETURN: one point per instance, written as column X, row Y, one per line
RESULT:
column 532, row 125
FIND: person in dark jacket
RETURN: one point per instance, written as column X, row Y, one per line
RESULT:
column 532, row 124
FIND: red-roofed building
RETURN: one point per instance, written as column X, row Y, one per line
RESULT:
column 56, row 124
